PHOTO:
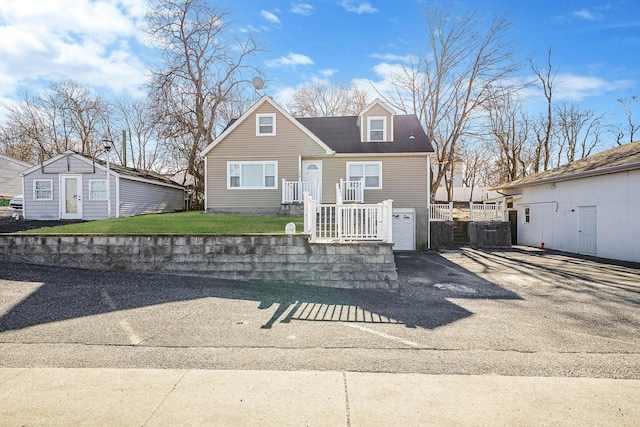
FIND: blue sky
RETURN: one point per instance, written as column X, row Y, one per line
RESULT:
column 99, row 43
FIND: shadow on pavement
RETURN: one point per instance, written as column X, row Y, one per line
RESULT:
column 62, row 293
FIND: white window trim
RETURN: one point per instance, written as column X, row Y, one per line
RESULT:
column 526, row 216
column 106, row 197
column 275, row 163
column 35, row 198
column 273, row 117
column 384, row 128
column 364, row 164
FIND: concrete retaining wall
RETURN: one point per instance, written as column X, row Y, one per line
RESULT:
column 263, row 258
column 490, row 234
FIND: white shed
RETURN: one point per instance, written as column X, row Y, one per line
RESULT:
column 74, row 186
column 590, row 206
column 10, row 180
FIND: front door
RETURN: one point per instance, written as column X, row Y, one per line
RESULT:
column 71, row 196
column 587, row 237
column 312, row 172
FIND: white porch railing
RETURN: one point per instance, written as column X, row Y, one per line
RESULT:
column 340, row 223
column 441, row 212
column 486, row 212
column 350, row 191
column 293, row 191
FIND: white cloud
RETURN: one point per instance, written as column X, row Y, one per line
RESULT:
column 270, row 17
column 358, row 6
column 584, row 14
column 302, row 9
column 328, row 72
column 291, row 60
column 92, row 42
column 574, row 87
column 392, row 57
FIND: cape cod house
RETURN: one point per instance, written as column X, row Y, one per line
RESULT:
column 590, row 206
column 74, row 186
column 266, row 159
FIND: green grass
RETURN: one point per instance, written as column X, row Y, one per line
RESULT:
column 179, row 223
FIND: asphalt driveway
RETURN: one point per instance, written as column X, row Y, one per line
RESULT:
column 518, row 312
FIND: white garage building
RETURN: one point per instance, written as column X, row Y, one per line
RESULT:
column 590, row 206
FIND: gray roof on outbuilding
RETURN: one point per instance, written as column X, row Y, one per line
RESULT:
column 623, row 158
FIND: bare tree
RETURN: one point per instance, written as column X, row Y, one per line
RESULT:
column 202, row 70
column 320, row 99
column 632, row 127
column 67, row 117
column 450, row 82
column 543, row 127
column 508, row 136
column 579, row 131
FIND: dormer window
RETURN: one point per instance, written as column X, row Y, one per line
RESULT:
column 377, row 127
column 265, row 124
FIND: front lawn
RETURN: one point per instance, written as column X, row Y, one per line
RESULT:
column 179, row 223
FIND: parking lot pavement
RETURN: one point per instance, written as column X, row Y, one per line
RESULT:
column 515, row 313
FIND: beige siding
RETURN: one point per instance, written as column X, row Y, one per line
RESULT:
column 243, row 145
column 404, row 179
column 377, row 111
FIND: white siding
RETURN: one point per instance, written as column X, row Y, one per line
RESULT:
column 10, row 179
column 138, row 198
column 554, row 214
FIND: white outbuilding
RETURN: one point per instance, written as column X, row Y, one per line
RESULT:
column 590, row 206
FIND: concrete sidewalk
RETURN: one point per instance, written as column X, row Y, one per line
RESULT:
column 75, row 397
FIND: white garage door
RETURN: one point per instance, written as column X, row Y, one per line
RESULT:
column 404, row 230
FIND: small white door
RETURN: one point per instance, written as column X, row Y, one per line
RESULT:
column 71, row 197
column 312, row 172
column 404, row 230
column 587, row 237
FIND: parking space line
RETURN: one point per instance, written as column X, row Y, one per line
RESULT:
column 124, row 324
column 383, row 335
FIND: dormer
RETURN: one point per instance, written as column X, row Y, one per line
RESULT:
column 376, row 122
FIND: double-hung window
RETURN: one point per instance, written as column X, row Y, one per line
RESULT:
column 252, row 175
column 370, row 171
column 377, row 128
column 42, row 189
column 265, row 124
column 527, row 214
column 98, row 189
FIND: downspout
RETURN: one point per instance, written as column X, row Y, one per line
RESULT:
column 205, row 185
column 429, row 201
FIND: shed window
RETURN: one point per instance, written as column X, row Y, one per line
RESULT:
column 98, row 189
column 42, row 189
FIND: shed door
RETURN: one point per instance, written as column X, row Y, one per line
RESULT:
column 70, row 197
column 587, row 240
column 404, row 231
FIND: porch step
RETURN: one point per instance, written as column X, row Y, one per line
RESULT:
column 461, row 233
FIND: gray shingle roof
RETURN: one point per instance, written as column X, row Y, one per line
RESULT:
column 342, row 134
column 622, row 158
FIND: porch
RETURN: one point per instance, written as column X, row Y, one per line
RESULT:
column 346, row 191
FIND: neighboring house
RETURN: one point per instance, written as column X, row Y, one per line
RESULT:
column 10, row 180
column 266, row 159
column 74, row 186
column 590, row 206
column 460, row 192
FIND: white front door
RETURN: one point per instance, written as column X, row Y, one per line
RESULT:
column 312, row 172
column 587, row 237
column 70, row 197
